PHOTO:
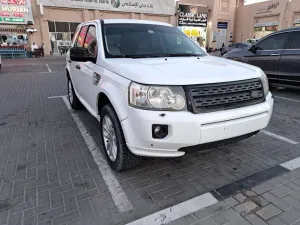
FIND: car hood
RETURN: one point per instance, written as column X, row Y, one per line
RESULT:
column 181, row 70
column 238, row 53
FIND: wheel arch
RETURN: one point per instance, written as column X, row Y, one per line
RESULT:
column 104, row 98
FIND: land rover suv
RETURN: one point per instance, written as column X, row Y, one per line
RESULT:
column 157, row 94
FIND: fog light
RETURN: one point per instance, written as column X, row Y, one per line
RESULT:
column 159, row 131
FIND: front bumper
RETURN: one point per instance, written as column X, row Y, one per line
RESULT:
column 188, row 129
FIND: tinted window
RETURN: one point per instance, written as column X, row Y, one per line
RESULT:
column 274, row 42
column 295, row 44
column 80, row 37
column 234, row 46
column 146, row 40
column 73, row 26
column 62, row 27
column 51, row 26
column 90, row 41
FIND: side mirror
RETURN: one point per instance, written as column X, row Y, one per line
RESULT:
column 80, row 54
column 253, row 49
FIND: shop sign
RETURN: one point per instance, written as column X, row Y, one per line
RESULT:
column 267, row 8
column 15, row 11
column 267, row 24
column 258, row 29
column 297, row 21
column 188, row 16
column 164, row 7
column 222, row 25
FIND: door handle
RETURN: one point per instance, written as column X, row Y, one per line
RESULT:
column 275, row 54
column 78, row 67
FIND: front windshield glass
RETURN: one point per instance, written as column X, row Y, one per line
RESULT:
column 147, row 40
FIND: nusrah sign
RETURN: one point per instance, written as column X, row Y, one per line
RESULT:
column 15, row 12
column 189, row 16
column 163, row 7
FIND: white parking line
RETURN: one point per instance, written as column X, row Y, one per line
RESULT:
column 289, row 99
column 280, row 137
column 292, row 164
column 49, row 70
column 170, row 214
column 60, row 96
column 119, row 196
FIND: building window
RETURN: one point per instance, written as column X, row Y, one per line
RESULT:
column 51, row 26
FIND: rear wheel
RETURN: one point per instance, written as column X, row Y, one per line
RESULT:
column 73, row 99
column 113, row 141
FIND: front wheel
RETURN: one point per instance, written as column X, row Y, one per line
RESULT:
column 73, row 99
column 113, row 141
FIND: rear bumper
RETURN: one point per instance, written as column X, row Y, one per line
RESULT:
column 187, row 129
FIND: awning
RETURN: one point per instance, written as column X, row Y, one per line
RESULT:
column 12, row 30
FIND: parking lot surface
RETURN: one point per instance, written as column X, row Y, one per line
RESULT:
column 50, row 175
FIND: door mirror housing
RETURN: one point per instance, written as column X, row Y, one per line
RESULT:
column 253, row 49
column 81, row 54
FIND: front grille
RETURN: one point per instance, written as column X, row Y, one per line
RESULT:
column 223, row 96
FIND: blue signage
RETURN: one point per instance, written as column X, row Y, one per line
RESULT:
column 222, row 25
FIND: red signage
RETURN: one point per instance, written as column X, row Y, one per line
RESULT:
column 14, row 2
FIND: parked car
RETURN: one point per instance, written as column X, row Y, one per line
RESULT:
column 158, row 94
column 0, row 64
column 235, row 46
column 277, row 54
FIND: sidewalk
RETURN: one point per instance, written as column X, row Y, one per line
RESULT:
column 275, row 202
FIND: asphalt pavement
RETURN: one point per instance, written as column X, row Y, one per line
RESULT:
column 52, row 170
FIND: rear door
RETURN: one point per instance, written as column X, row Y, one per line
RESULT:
column 289, row 65
column 268, row 53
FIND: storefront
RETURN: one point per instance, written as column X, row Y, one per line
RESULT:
column 258, row 20
column 262, row 29
column 192, row 20
column 58, row 19
column 15, row 15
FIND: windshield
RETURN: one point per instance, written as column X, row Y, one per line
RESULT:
column 147, row 40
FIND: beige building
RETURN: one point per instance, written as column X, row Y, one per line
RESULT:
column 258, row 20
column 56, row 20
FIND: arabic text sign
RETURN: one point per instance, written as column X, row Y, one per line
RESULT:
column 188, row 16
column 15, row 11
column 164, row 7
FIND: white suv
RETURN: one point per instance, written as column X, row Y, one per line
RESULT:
column 158, row 94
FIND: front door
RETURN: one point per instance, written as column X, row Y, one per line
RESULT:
column 88, row 68
column 289, row 65
column 75, row 66
column 268, row 52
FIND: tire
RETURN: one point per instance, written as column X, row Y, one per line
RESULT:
column 124, row 159
column 73, row 99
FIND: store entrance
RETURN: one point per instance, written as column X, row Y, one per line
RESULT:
column 61, row 34
column 198, row 34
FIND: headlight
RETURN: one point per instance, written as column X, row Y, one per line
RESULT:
column 265, row 82
column 157, row 97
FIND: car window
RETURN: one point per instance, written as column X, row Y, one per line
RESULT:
column 80, row 37
column 90, row 41
column 295, row 43
column 234, row 46
column 147, row 40
column 75, row 36
column 274, row 42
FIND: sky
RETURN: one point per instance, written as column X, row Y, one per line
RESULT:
column 253, row 1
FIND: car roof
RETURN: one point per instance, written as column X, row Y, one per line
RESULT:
column 114, row 21
column 289, row 29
